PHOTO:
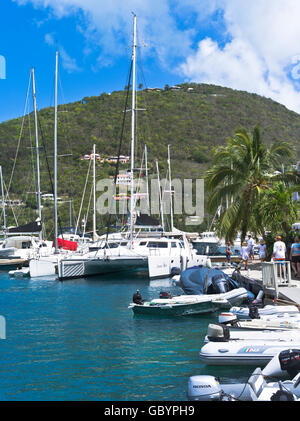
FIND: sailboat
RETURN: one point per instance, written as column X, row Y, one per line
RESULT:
column 155, row 251
column 25, row 241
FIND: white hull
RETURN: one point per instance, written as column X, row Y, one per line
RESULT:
column 244, row 352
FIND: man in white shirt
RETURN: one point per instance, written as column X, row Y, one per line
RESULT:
column 279, row 253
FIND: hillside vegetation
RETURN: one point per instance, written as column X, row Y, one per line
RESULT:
column 192, row 120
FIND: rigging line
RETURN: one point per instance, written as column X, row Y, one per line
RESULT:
column 48, row 166
column 20, row 135
column 83, row 196
column 120, row 144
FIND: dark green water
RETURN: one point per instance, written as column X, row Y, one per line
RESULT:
column 77, row 340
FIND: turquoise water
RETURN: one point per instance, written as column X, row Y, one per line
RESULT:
column 77, row 340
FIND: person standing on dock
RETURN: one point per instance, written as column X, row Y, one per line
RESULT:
column 250, row 247
column 295, row 257
column 262, row 250
column 228, row 254
column 245, row 254
column 279, row 255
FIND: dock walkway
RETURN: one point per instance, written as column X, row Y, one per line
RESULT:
column 286, row 293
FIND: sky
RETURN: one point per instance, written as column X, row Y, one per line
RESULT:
column 247, row 45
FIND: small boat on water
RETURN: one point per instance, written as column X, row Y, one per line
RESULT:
column 226, row 348
column 181, row 305
column 208, row 280
column 244, row 313
column 212, row 293
column 283, row 364
column 284, row 321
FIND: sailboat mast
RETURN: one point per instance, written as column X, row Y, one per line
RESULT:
column 94, row 190
column 55, row 159
column 3, row 202
column 37, row 151
column 147, row 186
column 170, row 188
column 160, row 198
column 132, row 130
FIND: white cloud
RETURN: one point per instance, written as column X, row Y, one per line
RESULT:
column 259, row 51
column 68, row 63
column 262, row 55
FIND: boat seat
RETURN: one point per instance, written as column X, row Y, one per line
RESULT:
column 257, row 381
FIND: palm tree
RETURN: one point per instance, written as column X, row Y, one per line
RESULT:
column 242, row 169
column 277, row 209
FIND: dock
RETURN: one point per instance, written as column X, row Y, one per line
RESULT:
column 13, row 262
column 264, row 276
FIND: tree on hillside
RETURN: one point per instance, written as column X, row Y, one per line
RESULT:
column 242, row 169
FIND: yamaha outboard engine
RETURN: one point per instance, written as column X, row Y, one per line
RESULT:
column 219, row 284
column 284, row 364
column 203, row 388
column 253, row 312
column 290, row 361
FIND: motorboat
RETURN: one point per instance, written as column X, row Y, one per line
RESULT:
column 208, row 280
column 285, row 364
column 284, row 321
column 244, row 313
column 222, row 349
column 181, row 305
column 188, row 304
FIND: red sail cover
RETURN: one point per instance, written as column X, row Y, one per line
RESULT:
column 66, row 245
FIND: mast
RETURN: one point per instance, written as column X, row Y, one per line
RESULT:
column 3, row 203
column 132, row 130
column 55, row 158
column 37, row 152
column 147, row 186
column 94, row 191
column 160, row 198
column 170, row 188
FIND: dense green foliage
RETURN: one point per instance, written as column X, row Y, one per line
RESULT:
column 192, row 121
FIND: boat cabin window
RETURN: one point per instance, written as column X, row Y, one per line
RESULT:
column 143, row 243
column 181, row 244
column 173, row 244
column 157, row 244
column 124, row 243
column 26, row 245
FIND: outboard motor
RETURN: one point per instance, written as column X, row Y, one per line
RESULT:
column 228, row 319
column 219, row 284
column 218, row 333
column 253, row 312
column 203, row 388
column 290, row 361
column 284, row 364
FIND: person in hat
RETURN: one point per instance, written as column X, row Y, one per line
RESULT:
column 262, row 250
column 279, row 254
column 137, row 298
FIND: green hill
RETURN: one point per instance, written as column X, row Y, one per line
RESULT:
column 192, row 119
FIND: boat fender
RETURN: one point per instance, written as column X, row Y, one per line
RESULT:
column 218, row 333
